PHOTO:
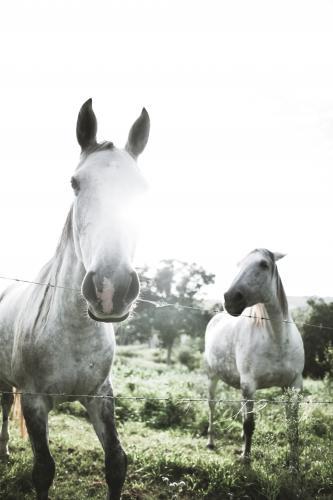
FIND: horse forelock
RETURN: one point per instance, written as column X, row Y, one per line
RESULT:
column 97, row 146
column 266, row 253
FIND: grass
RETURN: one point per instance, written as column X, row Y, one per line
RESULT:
column 166, row 443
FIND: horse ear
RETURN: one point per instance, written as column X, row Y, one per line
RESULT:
column 138, row 135
column 278, row 255
column 86, row 126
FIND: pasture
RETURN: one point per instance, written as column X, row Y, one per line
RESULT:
column 166, row 441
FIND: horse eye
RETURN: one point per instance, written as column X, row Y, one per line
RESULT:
column 75, row 185
column 263, row 264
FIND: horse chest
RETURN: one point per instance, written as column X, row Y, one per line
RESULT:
column 70, row 362
column 269, row 362
column 275, row 368
column 86, row 366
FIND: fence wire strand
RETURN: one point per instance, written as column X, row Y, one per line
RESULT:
column 158, row 304
column 167, row 398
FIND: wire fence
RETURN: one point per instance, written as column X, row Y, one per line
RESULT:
column 162, row 304
column 168, row 398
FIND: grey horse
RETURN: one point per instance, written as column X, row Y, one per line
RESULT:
column 257, row 349
column 60, row 340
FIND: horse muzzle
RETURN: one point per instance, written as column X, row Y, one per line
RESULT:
column 234, row 302
column 110, row 299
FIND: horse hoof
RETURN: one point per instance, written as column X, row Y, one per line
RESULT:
column 211, row 446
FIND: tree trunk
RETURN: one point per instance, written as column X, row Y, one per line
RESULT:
column 169, row 349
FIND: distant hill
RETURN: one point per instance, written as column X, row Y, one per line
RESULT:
column 293, row 301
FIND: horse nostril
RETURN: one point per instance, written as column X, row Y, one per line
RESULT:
column 89, row 288
column 238, row 297
column 235, row 297
column 133, row 288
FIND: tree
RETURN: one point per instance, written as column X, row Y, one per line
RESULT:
column 318, row 341
column 178, row 284
column 139, row 327
column 164, row 289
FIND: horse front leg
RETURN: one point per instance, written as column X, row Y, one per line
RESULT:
column 248, row 420
column 101, row 413
column 7, row 400
column 35, row 411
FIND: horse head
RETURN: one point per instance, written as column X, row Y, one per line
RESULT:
column 256, row 282
column 107, row 185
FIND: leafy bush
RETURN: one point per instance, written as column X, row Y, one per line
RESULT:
column 318, row 341
column 125, row 410
column 75, row 408
column 169, row 413
column 189, row 358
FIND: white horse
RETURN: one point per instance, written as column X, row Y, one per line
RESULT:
column 56, row 340
column 253, row 353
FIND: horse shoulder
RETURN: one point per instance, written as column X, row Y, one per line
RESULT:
column 219, row 331
column 220, row 348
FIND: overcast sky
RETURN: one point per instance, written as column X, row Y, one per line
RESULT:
column 240, row 155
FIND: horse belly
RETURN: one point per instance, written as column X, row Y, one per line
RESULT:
column 228, row 373
column 9, row 305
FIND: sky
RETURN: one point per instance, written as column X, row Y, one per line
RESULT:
column 240, row 155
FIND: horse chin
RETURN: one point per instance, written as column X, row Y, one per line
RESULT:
column 234, row 312
column 107, row 319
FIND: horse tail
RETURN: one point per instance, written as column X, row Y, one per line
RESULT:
column 17, row 414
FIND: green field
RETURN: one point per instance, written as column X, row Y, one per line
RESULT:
column 166, row 442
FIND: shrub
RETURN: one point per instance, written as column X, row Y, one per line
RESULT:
column 188, row 358
column 125, row 409
column 161, row 414
column 318, row 341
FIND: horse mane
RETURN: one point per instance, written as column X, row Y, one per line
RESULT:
column 258, row 311
column 49, row 273
column 67, row 232
column 281, row 294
